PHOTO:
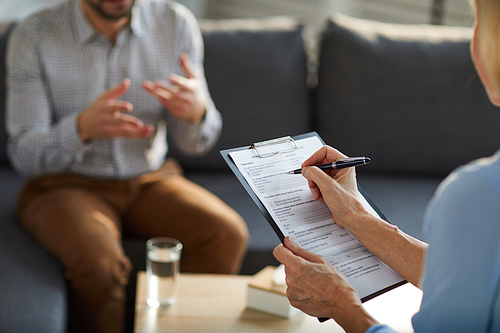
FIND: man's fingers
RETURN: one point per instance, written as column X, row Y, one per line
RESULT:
column 129, row 120
column 110, row 118
column 187, row 66
column 131, row 127
column 160, row 85
column 117, row 91
column 127, row 131
column 179, row 81
column 120, row 106
column 159, row 90
column 144, row 131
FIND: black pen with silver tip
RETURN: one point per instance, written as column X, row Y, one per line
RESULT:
column 340, row 164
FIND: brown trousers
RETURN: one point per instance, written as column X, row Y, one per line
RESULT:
column 81, row 222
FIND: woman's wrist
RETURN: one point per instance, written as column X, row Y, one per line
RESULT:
column 386, row 241
column 355, row 319
column 359, row 221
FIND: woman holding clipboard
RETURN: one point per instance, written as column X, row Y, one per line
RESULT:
column 458, row 270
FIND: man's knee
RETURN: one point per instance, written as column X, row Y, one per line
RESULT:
column 232, row 240
column 219, row 247
column 234, row 231
column 100, row 277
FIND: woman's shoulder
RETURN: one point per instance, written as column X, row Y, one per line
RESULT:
column 480, row 173
column 468, row 197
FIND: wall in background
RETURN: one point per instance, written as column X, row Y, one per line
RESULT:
column 313, row 13
column 454, row 12
column 16, row 9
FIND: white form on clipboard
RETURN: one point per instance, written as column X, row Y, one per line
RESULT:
column 308, row 222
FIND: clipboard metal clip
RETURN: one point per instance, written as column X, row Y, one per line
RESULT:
column 278, row 141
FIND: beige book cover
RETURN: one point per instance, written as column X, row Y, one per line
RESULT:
column 265, row 295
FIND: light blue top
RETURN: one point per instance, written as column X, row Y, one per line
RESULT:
column 462, row 279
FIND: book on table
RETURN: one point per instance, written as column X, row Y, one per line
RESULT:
column 266, row 295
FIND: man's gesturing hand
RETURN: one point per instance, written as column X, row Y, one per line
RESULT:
column 183, row 99
column 104, row 118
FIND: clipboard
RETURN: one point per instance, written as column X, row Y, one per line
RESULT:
column 226, row 155
column 263, row 150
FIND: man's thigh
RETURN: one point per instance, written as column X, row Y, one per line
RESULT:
column 176, row 206
column 74, row 224
column 213, row 234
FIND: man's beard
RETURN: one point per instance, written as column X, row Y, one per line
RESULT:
column 98, row 8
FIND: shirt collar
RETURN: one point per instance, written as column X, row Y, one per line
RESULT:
column 85, row 32
column 83, row 29
column 136, row 23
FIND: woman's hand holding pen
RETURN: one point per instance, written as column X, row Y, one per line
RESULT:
column 337, row 188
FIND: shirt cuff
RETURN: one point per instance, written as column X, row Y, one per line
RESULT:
column 68, row 135
column 204, row 134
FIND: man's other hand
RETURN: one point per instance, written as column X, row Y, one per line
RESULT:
column 183, row 99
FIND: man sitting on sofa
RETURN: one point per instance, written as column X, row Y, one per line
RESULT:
column 96, row 165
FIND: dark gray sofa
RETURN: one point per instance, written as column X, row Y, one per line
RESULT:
column 405, row 97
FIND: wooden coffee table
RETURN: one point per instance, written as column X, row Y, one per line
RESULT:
column 217, row 303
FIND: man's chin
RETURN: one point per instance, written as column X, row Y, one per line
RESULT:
column 116, row 13
column 112, row 10
column 115, row 16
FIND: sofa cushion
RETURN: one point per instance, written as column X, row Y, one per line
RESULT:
column 405, row 95
column 256, row 73
column 33, row 295
column 5, row 29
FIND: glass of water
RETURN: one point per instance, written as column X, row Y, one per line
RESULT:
column 162, row 263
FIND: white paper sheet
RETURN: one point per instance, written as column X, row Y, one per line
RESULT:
column 308, row 222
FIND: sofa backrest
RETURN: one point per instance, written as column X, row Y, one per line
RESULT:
column 256, row 74
column 407, row 96
column 5, row 29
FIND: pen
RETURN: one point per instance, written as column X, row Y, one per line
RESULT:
column 340, row 164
